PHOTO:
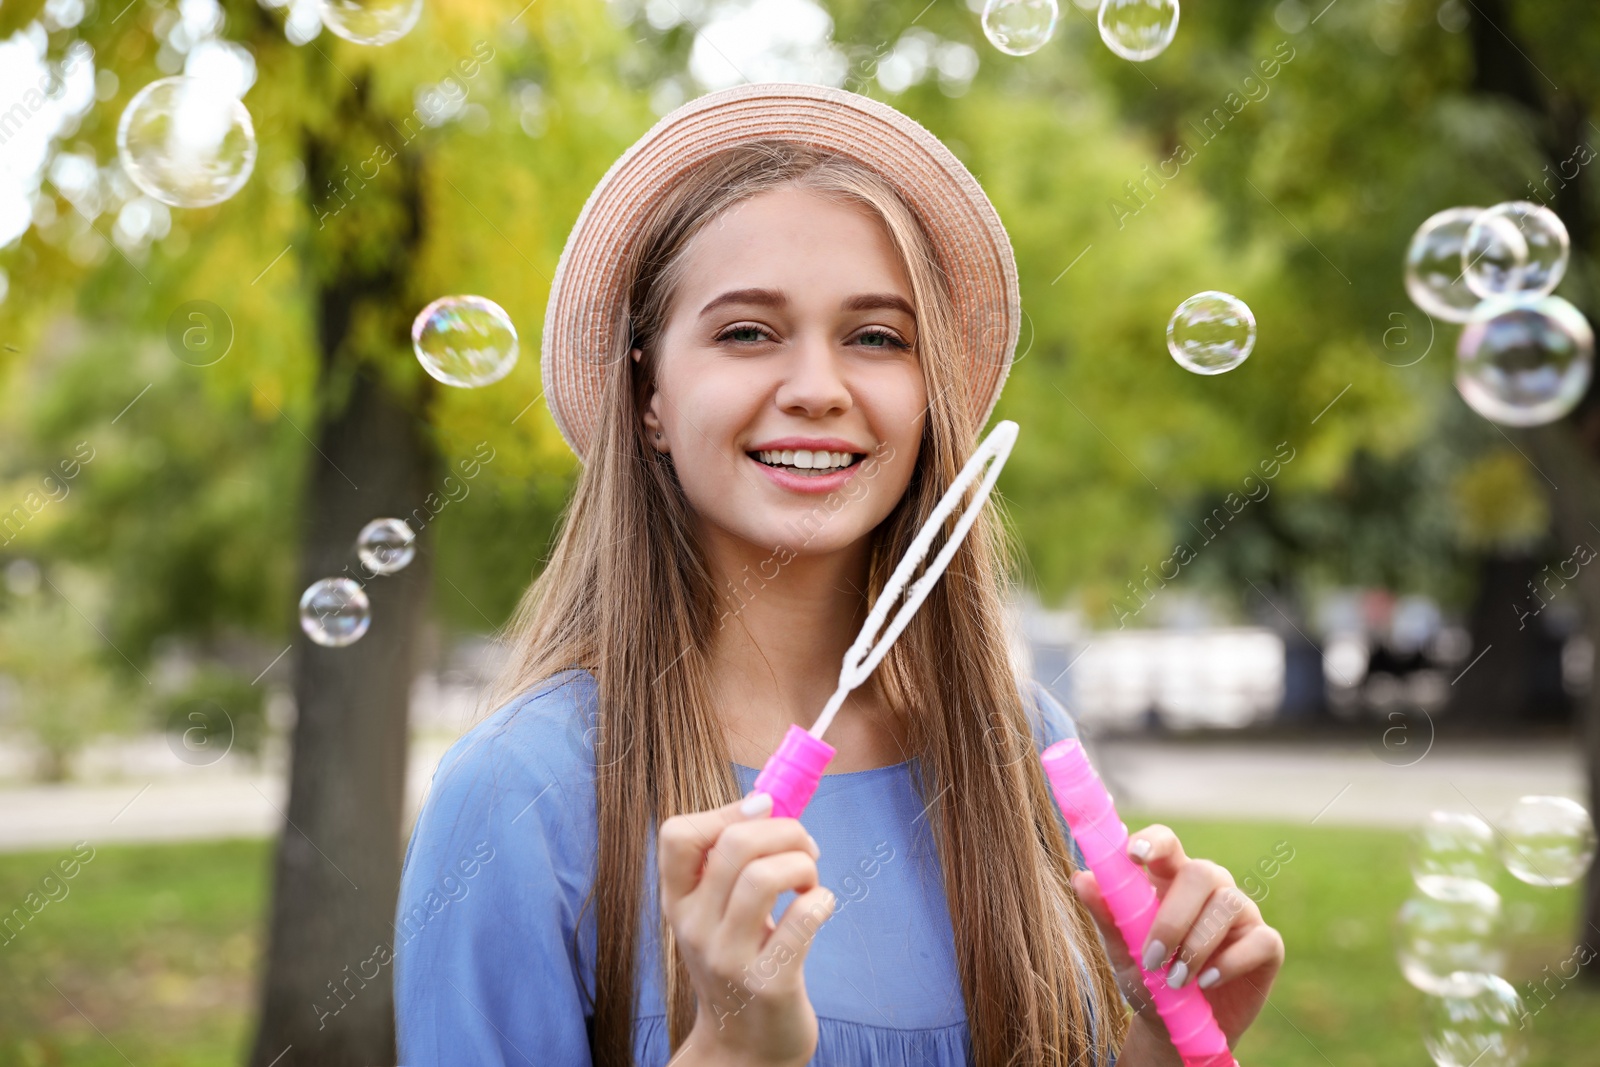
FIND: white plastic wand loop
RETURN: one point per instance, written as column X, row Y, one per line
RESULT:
column 858, row 661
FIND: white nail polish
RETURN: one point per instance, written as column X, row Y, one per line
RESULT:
column 1178, row 974
column 1140, row 848
column 1154, row 955
column 1208, row 977
column 756, row 803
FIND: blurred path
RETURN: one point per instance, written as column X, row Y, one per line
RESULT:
column 1347, row 785
column 1329, row 785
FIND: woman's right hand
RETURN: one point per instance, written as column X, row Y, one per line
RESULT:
column 721, row 874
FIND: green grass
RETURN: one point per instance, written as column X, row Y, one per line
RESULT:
column 159, row 946
column 1340, row 999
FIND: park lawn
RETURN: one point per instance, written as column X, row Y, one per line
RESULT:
column 158, row 946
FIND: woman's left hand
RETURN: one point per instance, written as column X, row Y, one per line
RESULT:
column 1207, row 931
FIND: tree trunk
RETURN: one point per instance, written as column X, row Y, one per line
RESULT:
column 327, row 996
column 1514, row 690
column 328, row 987
column 1567, row 453
column 1570, row 454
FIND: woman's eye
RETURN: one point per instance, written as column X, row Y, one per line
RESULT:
column 728, row 335
column 889, row 340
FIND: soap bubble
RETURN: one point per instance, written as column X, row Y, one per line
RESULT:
column 386, row 545
column 465, row 340
column 1211, row 332
column 1435, row 279
column 1436, row 936
column 1548, row 840
column 185, row 143
column 1524, row 360
column 335, row 612
column 1019, row 27
column 371, row 21
column 1138, row 29
column 1450, row 848
column 1516, row 247
column 1479, row 1024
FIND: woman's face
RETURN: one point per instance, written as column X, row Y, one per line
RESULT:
column 793, row 332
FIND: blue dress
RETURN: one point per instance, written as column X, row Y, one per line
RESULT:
column 502, row 856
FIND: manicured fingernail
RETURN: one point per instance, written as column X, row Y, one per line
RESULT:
column 814, row 846
column 1208, row 977
column 756, row 804
column 1154, row 953
column 1139, row 849
column 1178, row 974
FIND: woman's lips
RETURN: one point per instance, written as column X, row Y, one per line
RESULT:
column 806, row 483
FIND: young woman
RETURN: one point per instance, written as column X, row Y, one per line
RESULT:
column 776, row 332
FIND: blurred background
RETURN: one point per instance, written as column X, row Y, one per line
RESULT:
column 1382, row 607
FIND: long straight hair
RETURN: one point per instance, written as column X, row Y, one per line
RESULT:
column 628, row 595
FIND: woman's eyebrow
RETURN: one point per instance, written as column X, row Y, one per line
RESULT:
column 773, row 298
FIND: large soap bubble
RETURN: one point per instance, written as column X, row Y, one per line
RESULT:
column 1019, row 27
column 1211, row 332
column 1548, row 840
column 1524, row 360
column 386, row 545
column 1435, row 280
column 465, row 340
column 1518, row 247
column 186, row 143
column 335, row 612
column 371, row 21
column 1451, row 848
column 1480, row 1023
column 1437, row 936
column 1138, row 29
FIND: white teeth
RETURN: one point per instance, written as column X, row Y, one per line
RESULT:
column 805, row 459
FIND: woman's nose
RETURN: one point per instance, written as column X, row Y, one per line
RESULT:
column 814, row 380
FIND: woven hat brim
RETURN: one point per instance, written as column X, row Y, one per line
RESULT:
column 585, row 327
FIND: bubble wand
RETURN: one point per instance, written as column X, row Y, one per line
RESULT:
column 793, row 771
column 1131, row 899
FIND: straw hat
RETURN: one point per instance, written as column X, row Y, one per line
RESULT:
column 585, row 324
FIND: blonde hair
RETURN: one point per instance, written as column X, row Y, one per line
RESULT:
column 627, row 594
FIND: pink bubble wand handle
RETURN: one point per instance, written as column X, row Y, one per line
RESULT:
column 1131, row 899
column 793, row 772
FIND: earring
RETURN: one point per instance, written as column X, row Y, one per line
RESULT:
column 658, row 435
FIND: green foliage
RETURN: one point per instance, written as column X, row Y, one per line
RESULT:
column 1326, row 148
column 216, row 709
column 63, row 694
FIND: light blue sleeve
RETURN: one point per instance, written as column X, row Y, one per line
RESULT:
column 485, row 969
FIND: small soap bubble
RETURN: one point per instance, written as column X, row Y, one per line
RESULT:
column 1450, row 848
column 371, row 21
column 1548, row 841
column 1211, row 332
column 465, row 340
column 386, row 545
column 1481, row 1023
column 185, row 143
column 1524, row 360
column 335, row 612
column 1019, row 27
column 1435, row 280
column 1517, row 247
column 1138, row 29
column 1437, row 936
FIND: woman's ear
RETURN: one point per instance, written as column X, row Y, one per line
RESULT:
column 654, row 434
